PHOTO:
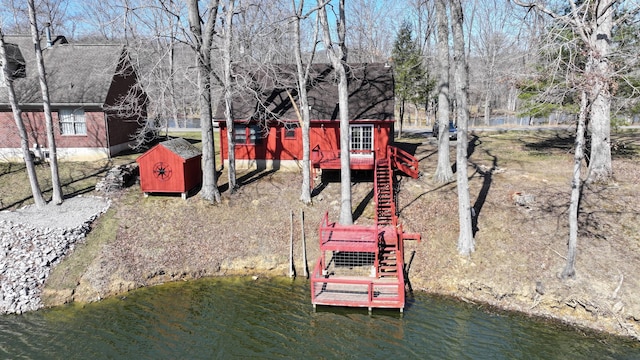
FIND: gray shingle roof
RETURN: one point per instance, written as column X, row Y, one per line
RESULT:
column 76, row 74
column 182, row 148
column 263, row 94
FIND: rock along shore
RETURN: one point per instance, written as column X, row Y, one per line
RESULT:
column 33, row 240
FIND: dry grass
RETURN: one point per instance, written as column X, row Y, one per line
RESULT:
column 518, row 249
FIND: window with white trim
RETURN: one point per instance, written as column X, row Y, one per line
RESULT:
column 72, row 122
column 247, row 135
column 361, row 139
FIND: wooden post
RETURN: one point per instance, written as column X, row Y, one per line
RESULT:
column 292, row 272
column 304, row 246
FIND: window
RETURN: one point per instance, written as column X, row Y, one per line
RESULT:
column 240, row 134
column 290, row 131
column 72, row 122
column 246, row 135
column 361, row 139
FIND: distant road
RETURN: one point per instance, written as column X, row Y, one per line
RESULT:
column 427, row 132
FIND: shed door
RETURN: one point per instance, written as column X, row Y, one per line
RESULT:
column 361, row 143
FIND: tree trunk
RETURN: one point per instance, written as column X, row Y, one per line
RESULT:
column 44, row 88
column 17, row 116
column 228, row 110
column 600, row 168
column 302, row 74
column 346, row 217
column 443, row 173
column 576, row 191
column 202, row 45
column 465, row 240
column 172, row 84
column 338, row 57
column 487, row 109
column 401, row 114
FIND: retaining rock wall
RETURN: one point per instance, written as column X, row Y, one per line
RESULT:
column 29, row 250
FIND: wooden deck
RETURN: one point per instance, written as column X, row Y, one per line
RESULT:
column 358, row 292
column 356, row 250
column 336, row 237
column 363, row 266
column 330, row 160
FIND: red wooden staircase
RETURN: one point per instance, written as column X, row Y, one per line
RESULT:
column 363, row 266
column 383, row 188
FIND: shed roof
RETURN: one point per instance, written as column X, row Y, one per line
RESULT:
column 76, row 74
column 182, row 148
column 264, row 94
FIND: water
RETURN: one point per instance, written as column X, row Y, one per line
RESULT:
column 238, row 318
column 182, row 123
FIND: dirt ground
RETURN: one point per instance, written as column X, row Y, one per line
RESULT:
column 519, row 186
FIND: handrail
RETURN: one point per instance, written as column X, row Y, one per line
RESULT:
column 318, row 154
column 317, row 277
column 401, row 157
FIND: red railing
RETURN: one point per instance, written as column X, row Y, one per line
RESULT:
column 340, row 291
column 387, row 163
column 378, row 293
column 403, row 160
column 319, row 156
column 348, row 235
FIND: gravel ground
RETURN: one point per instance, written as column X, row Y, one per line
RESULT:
column 33, row 240
column 73, row 212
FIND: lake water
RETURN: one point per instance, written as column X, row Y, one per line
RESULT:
column 238, row 318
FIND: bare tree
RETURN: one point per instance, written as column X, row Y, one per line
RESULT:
column 494, row 48
column 8, row 77
column 226, row 83
column 202, row 40
column 371, row 29
column 465, row 240
column 593, row 22
column 302, row 72
column 53, row 154
column 443, row 173
column 337, row 53
column 576, row 189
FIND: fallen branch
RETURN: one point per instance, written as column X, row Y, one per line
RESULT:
column 557, row 253
column 615, row 292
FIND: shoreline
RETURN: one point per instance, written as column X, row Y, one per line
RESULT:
column 597, row 329
column 146, row 241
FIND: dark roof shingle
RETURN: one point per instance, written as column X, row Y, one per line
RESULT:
column 264, row 94
column 76, row 74
column 182, row 148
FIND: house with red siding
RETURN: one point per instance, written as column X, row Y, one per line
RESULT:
column 96, row 102
column 267, row 130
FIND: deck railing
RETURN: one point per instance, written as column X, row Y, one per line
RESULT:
column 356, row 292
column 403, row 160
column 351, row 234
column 387, row 163
column 319, row 156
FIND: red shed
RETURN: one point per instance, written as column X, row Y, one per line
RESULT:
column 173, row 166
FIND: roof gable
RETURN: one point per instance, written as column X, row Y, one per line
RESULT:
column 76, row 74
column 266, row 95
